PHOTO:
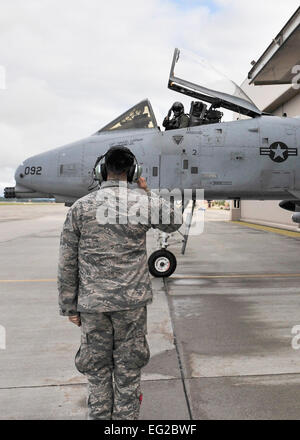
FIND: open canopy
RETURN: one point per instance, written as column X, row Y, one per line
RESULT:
column 139, row 116
column 215, row 87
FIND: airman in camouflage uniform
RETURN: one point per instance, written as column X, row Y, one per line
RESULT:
column 104, row 286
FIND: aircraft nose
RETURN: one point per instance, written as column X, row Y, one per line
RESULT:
column 13, row 192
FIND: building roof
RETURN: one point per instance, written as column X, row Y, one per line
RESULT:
column 276, row 63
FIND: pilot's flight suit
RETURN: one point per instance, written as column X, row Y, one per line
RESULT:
column 103, row 275
column 181, row 121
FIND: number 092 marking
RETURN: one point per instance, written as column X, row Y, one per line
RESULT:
column 33, row 170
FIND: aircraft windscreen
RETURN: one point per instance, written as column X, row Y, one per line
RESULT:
column 139, row 116
column 197, row 70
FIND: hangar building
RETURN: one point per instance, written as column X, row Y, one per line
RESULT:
column 273, row 84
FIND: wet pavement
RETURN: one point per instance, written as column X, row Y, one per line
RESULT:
column 219, row 329
column 234, row 301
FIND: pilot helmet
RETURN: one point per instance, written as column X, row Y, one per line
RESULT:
column 177, row 108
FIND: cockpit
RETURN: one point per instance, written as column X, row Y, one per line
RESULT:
column 186, row 71
column 141, row 116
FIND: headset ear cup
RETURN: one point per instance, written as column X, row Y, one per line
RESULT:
column 130, row 174
column 135, row 173
column 138, row 172
column 97, row 174
column 103, row 172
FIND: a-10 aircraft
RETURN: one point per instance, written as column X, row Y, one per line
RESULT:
column 251, row 158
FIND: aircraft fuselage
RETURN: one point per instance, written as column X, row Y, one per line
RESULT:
column 248, row 159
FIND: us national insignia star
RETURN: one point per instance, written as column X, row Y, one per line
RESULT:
column 278, row 152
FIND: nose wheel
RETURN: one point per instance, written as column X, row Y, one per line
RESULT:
column 162, row 263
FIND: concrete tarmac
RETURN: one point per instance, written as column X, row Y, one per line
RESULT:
column 219, row 329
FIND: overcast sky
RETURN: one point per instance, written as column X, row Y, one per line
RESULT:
column 73, row 65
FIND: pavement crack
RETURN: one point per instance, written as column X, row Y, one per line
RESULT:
column 180, row 365
column 72, row 384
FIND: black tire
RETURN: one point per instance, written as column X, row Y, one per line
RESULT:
column 162, row 263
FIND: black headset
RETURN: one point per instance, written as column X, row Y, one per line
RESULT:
column 100, row 169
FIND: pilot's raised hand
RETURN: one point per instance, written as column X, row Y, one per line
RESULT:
column 142, row 183
column 169, row 113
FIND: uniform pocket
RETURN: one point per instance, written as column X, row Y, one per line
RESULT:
column 137, row 353
column 83, row 356
column 93, row 354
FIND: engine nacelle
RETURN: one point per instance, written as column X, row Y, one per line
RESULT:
column 296, row 217
column 290, row 205
column 293, row 206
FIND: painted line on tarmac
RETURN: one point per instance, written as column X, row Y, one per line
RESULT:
column 46, row 280
column 268, row 229
column 181, row 277
column 265, row 275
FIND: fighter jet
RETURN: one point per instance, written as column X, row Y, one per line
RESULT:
column 255, row 157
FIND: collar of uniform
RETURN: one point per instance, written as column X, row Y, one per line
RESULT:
column 109, row 183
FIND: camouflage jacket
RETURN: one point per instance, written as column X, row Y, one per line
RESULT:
column 102, row 260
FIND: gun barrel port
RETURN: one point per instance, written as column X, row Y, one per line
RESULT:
column 9, row 192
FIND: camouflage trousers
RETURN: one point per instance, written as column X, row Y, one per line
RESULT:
column 112, row 352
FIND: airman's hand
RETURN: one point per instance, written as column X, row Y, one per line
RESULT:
column 75, row 319
column 142, row 183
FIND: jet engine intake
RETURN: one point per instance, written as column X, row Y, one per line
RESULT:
column 290, row 205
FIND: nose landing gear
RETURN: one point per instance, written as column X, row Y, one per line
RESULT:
column 162, row 263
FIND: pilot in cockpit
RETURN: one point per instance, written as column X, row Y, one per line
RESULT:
column 179, row 120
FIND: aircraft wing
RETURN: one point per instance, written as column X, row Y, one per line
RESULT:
column 216, row 88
